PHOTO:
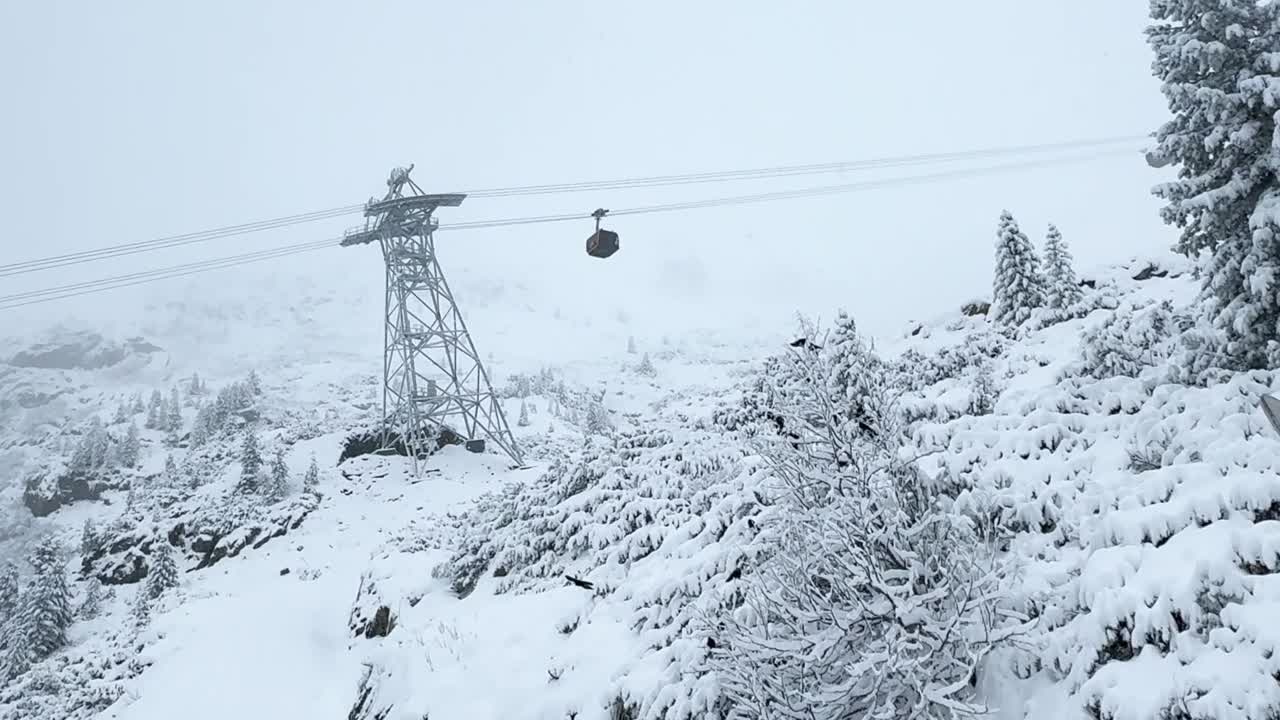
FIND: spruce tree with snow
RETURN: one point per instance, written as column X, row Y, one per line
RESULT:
column 93, row 596
column 17, row 657
column 278, row 486
column 1216, row 63
column 311, row 480
column 137, row 406
column 90, row 538
column 631, row 345
column 163, row 573
column 130, row 448
column 254, row 383
column 155, row 411
column 8, row 591
column 645, row 367
column 1018, row 287
column 173, row 421
column 523, row 421
column 250, row 465
column 47, row 601
column 140, row 613
column 122, row 414
column 983, row 391
column 194, row 386
column 1062, row 290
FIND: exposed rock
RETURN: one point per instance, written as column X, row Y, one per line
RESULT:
column 1150, row 271
column 44, row 494
column 367, row 442
column 80, row 351
column 975, row 308
column 370, row 616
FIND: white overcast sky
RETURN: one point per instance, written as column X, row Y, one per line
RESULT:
column 126, row 121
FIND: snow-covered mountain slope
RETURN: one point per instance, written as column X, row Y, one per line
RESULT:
column 1136, row 514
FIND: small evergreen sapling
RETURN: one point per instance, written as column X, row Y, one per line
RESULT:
column 163, row 573
column 631, row 345
column 91, row 606
column 523, row 421
column 250, row 465
column 141, row 611
column 278, row 489
column 90, row 539
column 645, row 367
column 130, row 447
column 311, row 480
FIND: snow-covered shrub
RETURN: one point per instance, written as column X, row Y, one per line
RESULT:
column 873, row 599
column 1129, row 341
column 913, row 370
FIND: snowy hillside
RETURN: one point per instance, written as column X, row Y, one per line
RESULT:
column 1090, row 523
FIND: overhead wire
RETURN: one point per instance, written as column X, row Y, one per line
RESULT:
column 202, row 236
column 32, row 297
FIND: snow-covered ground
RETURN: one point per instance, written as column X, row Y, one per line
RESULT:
column 1132, row 503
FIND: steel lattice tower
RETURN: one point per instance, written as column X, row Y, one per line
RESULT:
column 431, row 371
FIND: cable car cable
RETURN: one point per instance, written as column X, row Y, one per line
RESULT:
column 111, row 283
column 201, row 236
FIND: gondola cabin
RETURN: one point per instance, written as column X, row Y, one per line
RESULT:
column 602, row 243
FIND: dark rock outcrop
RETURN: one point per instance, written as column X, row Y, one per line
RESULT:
column 44, row 495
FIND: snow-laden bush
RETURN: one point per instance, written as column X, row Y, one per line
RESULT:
column 1128, row 341
column 873, row 600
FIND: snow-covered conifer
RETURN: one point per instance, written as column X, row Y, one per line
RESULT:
column 523, row 421
column 645, row 367
column 1018, row 287
column 140, row 613
column 47, row 603
column 1062, row 290
column 163, row 573
column 130, row 448
column 250, row 465
column 984, row 392
column 253, row 383
column 194, row 386
column 90, row 538
column 8, row 591
column 597, row 420
column 311, row 480
column 122, row 414
column 17, row 655
column 137, row 405
column 173, row 419
column 92, row 603
column 1216, row 62
column 155, row 411
column 278, row 485
column 631, row 345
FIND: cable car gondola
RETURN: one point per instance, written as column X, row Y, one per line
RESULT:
column 602, row 243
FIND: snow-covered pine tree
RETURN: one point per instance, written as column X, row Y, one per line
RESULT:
column 645, row 367
column 194, row 386
column 163, row 573
column 140, row 613
column 1062, row 290
column 278, row 486
column 8, row 592
column 1216, row 63
column 311, row 480
column 631, row 345
column 130, row 448
column 90, row 538
column 93, row 595
column 155, row 411
column 173, row 420
column 984, row 392
column 1018, row 287
column 254, row 383
column 250, row 465
column 138, row 406
column 523, row 421
column 17, row 656
column 122, row 414
column 47, row 603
